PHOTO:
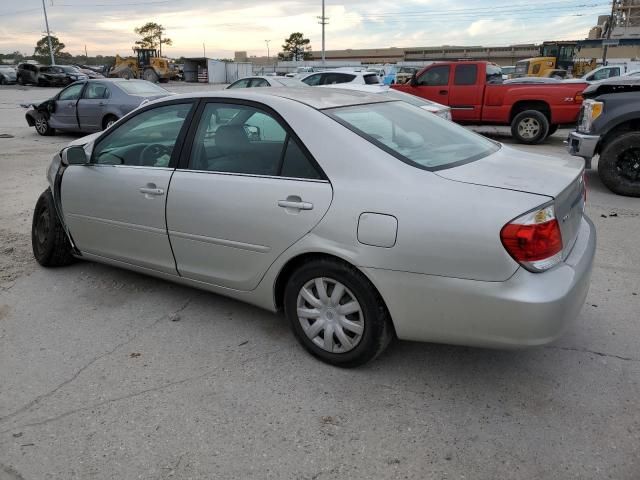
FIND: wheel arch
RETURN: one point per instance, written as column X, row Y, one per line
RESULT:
column 625, row 126
column 523, row 105
column 106, row 116
column 30, row 120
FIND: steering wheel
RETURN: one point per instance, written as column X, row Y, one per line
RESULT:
column 151, row 153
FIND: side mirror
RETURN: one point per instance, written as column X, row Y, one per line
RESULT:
column 253, row 132
column 414, row 80
column 74, row 156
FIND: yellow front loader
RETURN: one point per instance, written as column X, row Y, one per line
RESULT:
column 146, row 65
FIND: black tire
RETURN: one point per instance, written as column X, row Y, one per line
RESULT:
column 150, row 75
column 619, row 165
column 109, row 119
column 51, row 247
column 20, row 80
column 42, row 126
column 3, row 81
column 552, row 129
column 377, row 328
column 530, row 127
column 127, row 74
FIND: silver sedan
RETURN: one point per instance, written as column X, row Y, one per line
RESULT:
column 91, row 105
column 361, row 217
column 266, row 81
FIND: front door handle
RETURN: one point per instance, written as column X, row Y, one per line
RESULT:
column 295, row 205
column 151, row 190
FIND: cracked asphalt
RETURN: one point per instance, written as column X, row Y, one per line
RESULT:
column 107, row 374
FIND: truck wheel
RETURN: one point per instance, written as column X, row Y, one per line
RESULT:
column 150, row 75
column 619, row 165
column 50, row 244
column 530, row 127
column 127, row 74
column 552, row 129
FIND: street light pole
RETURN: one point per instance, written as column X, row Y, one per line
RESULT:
column 46, row 22
column 267, row 42
column 323, row 22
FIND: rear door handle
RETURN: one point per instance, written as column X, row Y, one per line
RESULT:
column 295, row 205
column 443, row 92
column 101, row 104
column 151, row 191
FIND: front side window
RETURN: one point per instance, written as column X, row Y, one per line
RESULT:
column 335, row 78
column 436, row 76
column 466, row 75
column 414, row 135
column 146, row 140
column 259, row 82
column 95, row 91
column 72, row 92
column 246, row 140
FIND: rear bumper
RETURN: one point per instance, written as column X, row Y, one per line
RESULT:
column 582, row 145
column 528, row 309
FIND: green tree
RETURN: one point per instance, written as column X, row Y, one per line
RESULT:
column 296, row 47
column 152, row 36
column 41, row 52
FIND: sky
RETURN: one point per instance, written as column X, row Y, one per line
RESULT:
column 224, row 26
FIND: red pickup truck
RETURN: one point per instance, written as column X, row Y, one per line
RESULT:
column 476, row 95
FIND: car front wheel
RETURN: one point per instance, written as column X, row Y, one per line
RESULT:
column 42, row 126
column 619, row 165
column 336, row 313
column 51, row 247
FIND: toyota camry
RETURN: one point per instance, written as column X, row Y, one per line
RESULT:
column 362, row 217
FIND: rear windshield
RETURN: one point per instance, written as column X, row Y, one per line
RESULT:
column 141, row 87
column 414, row 135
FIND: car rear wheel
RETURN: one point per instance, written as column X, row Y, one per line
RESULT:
column 108, row 121
column 530, row 127
column 49, row 242
column 42, row 126
column 336, row 313
column 619, row 165
column 3, row 81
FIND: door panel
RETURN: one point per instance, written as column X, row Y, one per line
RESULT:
column 64, row 116
column 465, row 95
column 433, row 84
column 92, row 105
column 108, row 214
column 227, row 229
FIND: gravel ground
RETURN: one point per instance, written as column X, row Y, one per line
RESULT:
column 107, row 374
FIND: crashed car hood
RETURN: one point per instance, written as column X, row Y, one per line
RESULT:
column 513, row 169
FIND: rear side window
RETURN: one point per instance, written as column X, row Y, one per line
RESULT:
column 334, row 78
column 371, row 79
column 434, row 77
column 95, row 91
column 296, row 164
column 244, row 83
column 466, row 75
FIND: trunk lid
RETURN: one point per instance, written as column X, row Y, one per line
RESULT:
column 558, row 178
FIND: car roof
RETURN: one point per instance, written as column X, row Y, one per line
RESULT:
column 318, row 98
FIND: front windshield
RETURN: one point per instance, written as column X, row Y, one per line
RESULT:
column 141, row 87
column 414, row 135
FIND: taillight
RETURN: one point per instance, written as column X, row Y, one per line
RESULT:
column 534, row 240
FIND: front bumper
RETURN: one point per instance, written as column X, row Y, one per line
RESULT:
column 582, row 145
column 528, row 309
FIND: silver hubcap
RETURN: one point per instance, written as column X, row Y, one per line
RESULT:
column 41, row 125
column 330, row 315
column 110, row 122
column 529, row 128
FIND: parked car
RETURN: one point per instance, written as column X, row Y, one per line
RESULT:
column 633, row 73
column 266, row 81
column 300, row 71
column 401, row 224
column 557, row 73
column 8, row 75
column 331, row 77
column 404, row 74
column 609, row 126
column 477, row 95
column 438, row 109
column 41, row 75
column 91, row 105
column 508, row 71
column 89, row 72
column 602, row 73
column 72, row 73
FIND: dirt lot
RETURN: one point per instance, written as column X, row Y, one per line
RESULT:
column 110, row 374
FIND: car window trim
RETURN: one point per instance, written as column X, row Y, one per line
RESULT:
column 183, row 162
column 178, row 146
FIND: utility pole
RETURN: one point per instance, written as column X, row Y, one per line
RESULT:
column 86, row 55
column 46, row 22
column 606, row 43
column 323, row 22
column 204, row 51
column 267, row 42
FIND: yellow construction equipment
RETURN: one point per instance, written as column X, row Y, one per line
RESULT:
column 146, row 65
column 555, row 55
